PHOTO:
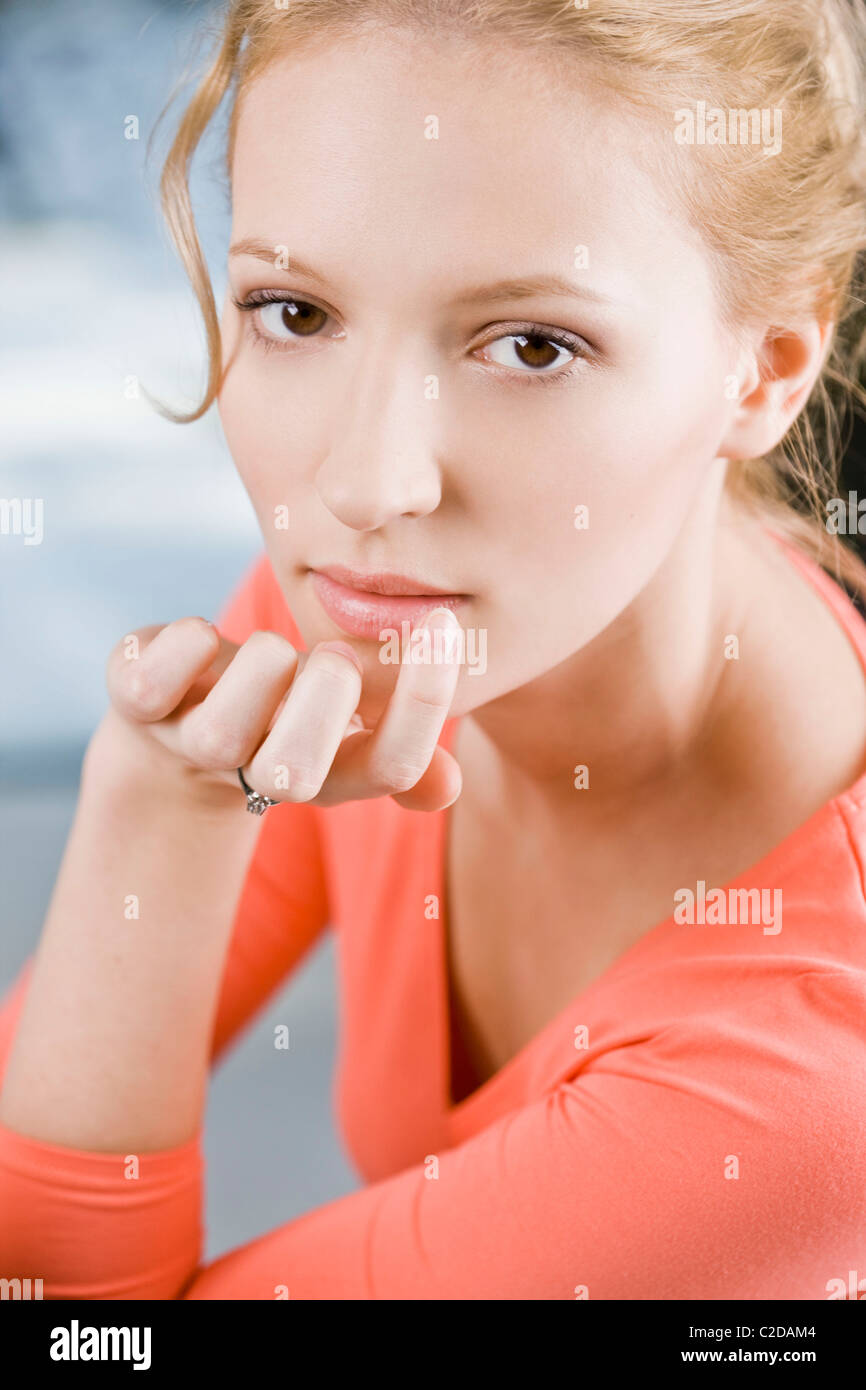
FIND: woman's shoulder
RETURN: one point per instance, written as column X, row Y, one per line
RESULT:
column 764, row 1029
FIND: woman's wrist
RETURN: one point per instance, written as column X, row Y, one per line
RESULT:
column 125, row 761
column 111, row 1051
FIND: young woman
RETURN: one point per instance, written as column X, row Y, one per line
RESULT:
column 530, row 309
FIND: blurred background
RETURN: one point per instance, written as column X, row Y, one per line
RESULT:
column 142, row 520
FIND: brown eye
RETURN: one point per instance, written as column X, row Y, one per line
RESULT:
column 292, row 318
column 536, row 353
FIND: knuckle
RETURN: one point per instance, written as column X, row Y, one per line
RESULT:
column 397, row 776
column 139, row 691
column 428, row 700
column 271, row 643
column 336, row 670
column 195, row 629
column 128, row 646
column 300, row 790
column 306, row 779
column 213, row 744
column 194, row 624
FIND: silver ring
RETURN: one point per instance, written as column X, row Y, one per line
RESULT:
column 256, row 802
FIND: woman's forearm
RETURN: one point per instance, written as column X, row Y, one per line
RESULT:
column 112, row 1048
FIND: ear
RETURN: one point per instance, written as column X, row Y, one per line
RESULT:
column 776, row 379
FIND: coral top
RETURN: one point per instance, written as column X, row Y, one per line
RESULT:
column 691, row 1126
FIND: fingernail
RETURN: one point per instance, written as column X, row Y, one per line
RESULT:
column 444, row 618
column 445, row 621
column 345, row 649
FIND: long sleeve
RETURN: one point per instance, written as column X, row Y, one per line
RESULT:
column 97, row 1225
column 284, row 905
column 722, row 1158
column 710, row 1144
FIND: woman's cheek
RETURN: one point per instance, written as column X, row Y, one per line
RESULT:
column 250, row 436
column 586, row 547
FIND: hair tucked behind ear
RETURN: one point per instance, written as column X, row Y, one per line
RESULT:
column 786, row 233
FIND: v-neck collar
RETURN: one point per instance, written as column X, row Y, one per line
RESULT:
column 484, row 1103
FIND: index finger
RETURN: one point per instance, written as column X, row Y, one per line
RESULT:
column 392, row 758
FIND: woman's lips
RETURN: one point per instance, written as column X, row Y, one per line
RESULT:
column 362, row 613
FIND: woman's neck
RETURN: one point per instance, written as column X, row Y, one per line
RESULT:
column 634, row 705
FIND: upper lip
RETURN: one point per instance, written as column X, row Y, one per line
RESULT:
column 380, row 581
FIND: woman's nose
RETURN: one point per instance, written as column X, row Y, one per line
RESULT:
column 381, row 460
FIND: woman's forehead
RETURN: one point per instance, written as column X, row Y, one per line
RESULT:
column 329, row 153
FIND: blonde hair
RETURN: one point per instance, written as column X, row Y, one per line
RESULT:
column 786, row 233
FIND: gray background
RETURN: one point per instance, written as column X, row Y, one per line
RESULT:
column 143, row 520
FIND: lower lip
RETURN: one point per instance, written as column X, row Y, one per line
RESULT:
column 362, row 614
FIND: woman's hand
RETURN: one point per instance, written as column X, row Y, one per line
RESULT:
column 189, row 703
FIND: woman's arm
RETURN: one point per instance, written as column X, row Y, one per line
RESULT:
column 130, row 959
column 113, row 1041
column 112, row 1048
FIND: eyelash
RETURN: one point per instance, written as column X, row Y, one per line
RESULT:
column 581, row 350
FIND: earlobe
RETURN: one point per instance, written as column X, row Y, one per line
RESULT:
column 778, row 380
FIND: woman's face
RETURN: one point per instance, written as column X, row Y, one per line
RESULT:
column 406, row 411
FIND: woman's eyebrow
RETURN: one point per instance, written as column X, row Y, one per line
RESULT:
column 527, row 286
column 523, row 287
column 271, row 253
